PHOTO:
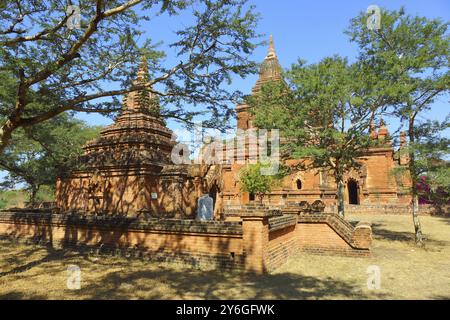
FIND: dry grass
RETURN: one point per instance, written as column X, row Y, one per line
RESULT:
column 33, row 272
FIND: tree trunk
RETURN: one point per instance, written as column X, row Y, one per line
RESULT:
column 340, row 194
column 6, row 134
column 417, row 226
column 261, row 196
column 414, row 179
column 33, row 195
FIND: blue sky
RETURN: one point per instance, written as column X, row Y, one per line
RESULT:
column 309, row 30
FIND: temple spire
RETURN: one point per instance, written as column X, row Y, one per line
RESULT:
column 142, row 100
column 383, row 132
column 270, row 68
column 142, row 74
column 271, row 54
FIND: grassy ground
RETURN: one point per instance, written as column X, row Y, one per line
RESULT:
column 12, row 198
column 406, row 272
column 17, row 198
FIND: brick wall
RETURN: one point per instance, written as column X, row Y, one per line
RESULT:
column 330, row 234
column 202, row 243
column 319, row 235
column 261, row 241
column 282, row 244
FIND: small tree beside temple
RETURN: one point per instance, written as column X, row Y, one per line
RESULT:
column 253, row 182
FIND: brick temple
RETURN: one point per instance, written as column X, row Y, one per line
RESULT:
column 128, row 170
column 372, row 183
column 129, row 198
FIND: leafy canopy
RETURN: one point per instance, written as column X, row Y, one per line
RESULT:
column 87, row 69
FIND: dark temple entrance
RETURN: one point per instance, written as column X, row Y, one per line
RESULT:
column 213, row 194
column 353, row 196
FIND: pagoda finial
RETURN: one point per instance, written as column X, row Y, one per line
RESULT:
column 383, row 132
column 271, row 53
column 270, row 69
column 142, row 74
column 142, row 99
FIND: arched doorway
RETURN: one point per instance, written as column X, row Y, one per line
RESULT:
column 299, row 185
column 213, row 194
column 353, row 194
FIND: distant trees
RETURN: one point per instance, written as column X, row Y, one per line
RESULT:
column 37, row 157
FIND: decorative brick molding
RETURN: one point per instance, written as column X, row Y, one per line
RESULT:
column 251, row 209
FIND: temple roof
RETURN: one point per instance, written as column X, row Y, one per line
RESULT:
column 138, row 136
column 143, row 100
column 270, row 69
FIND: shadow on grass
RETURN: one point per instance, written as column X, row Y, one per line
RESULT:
column 385, row 234
column 218, row 285
column 381, row 233
column 440, row 297
column 444, row 219
column 52, row 255
column 15, row 295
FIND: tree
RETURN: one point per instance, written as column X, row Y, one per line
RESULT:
column 324, row 115
column 61, row 67
column 254, row 182
column 432, row 168
column 412, row 54
column 37, row 157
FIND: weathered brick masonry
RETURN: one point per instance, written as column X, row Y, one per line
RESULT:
column 213, row 243
column 260, row 241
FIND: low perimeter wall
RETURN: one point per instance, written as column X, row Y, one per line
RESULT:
column 260, row 242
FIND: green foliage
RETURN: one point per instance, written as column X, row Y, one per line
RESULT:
column 3, row 203
column 431, row 152
column 37, row 157
column 324, row 115
column 12, row 198
column 53, row 68
column 412, row 54
column 252, row 181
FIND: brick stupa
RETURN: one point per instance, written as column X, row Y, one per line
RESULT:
column 138, row 139
column 128, row 170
